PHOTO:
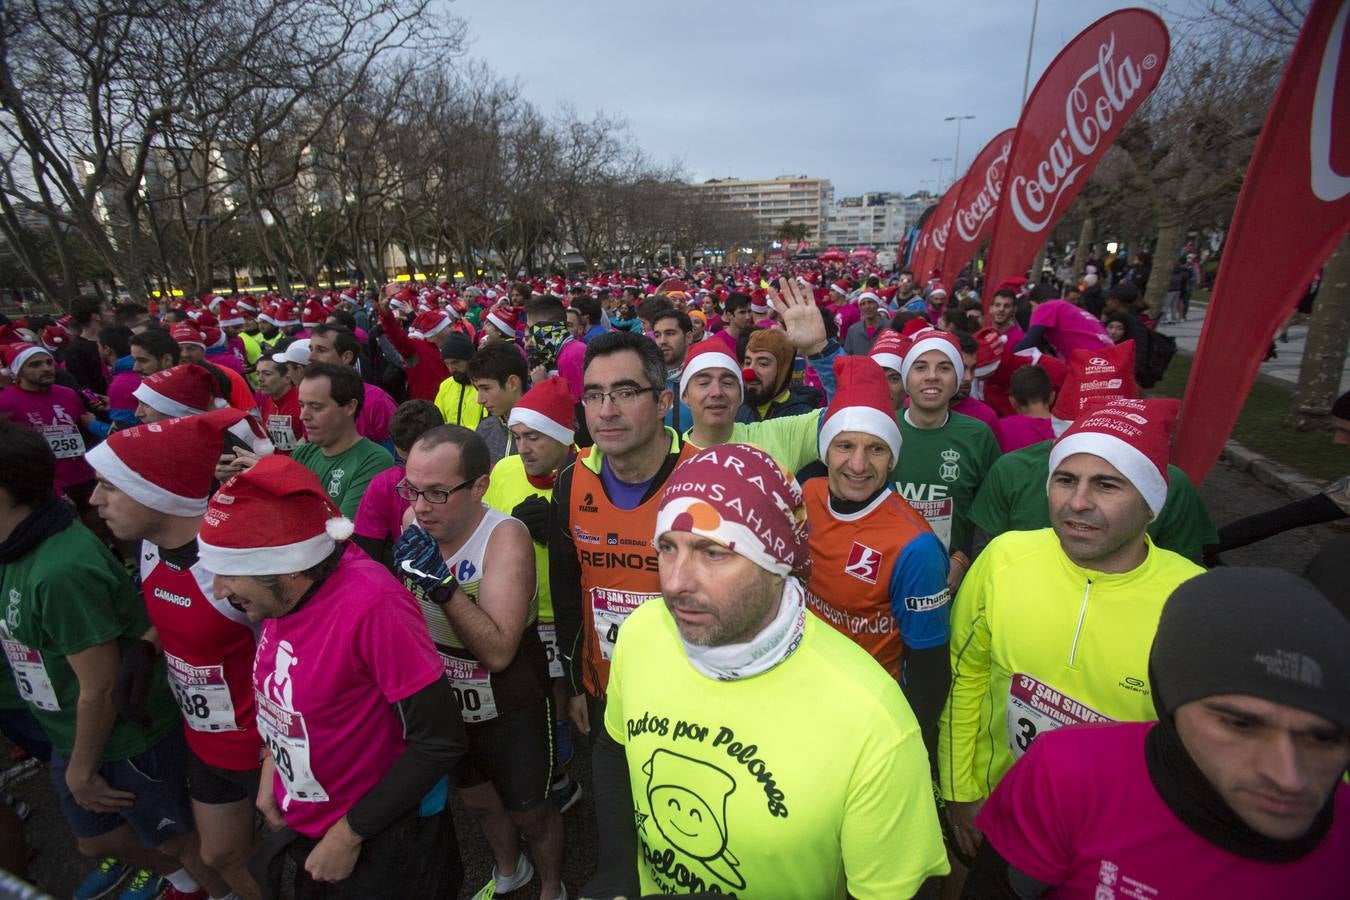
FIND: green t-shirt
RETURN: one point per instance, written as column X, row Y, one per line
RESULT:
column 65, row 596
column 940, row 470
column 346, row 475
column 1014, row 498
column 792, row 440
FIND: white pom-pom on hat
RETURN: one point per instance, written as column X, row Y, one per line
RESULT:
column 339, row 528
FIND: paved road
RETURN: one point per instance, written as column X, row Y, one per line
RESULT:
column 1229, row 493
column 1283, row 367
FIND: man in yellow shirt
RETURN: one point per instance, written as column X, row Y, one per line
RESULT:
column 457, row 398
column 703, row 784
column 1053, row 627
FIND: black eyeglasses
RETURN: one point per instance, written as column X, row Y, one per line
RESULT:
column 622, row 396
column 432, row 495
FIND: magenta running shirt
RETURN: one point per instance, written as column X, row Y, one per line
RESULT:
column 380, row 515
column 325, row 680
column 54, row 414
column 1016, row 432
column 377, row 408
column 1080, row 812
column 976, row 409
column 1069, row 328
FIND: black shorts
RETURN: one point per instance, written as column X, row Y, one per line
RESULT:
column 513, row 751
column 210, row 784
column 161, row 810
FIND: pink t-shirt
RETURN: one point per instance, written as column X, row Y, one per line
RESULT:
column 1067, row 327
column 1016, row 432
column 54, row 414
column 372, row 422
column 976, row 409
column 1080, row 812
column 380, row 515
column 570, row 366
column 120, row 388
column 727, row 339
column 325, row 680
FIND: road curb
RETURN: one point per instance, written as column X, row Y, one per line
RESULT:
column 1284, row 479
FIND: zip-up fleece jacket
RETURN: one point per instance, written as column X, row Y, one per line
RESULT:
column 1038, row 642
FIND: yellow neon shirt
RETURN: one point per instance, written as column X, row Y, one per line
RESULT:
column 508, row 486
column 1038, row 642
column 809, row 780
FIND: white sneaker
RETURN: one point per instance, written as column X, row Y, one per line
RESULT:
column 521, row 877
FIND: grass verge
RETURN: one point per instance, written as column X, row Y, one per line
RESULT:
column 1260, row 426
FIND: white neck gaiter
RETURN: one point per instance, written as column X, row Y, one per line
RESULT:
column 778, row 640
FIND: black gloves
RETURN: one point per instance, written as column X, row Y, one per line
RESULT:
column 536, row 513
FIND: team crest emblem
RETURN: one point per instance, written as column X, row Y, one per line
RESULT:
column 949, row 470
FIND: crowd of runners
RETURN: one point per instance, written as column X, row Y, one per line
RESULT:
column 853, row 588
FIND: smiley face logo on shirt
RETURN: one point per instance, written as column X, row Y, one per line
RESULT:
column 688, row 801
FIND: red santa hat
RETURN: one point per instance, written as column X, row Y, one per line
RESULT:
column 16, row 355
column 187, row 333
column 230, row 317
column 869, row 295
column 548, row 409
column 990, row 346
column 839, row 288
column 1096, row 375
column 56, row 336
column 168, row 466
column 271, row 519
column 204, row 319
column 429, row 324
column 1132, row 435
column 931, row 339
column 505, row 318
column 313, row 314
column 183, row 390
column 285, row 314
column 247, row 304
column 889, row 350
column 862, row 402
column 710, row 353
column 936, row 290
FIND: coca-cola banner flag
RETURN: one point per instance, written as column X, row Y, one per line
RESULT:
column 934, row 238
column 977, row 204
column 909, row 248
column 1075, row 113
column 1293, row 210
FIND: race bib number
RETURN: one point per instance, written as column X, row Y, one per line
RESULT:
column 548, row 633
column 472, row 684
column 202, row 695
column 1035, row 707
column 609, row 609
column 30, row 674
column 288, row 741
column 65, row 441
column 938, row 515
column 281, row 434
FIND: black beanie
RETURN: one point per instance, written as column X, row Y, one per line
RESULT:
column 1261, row 632
column 457, row 346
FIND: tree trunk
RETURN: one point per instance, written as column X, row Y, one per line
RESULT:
column 1319, row 377
column 1037, row 264
column 1164, row 258
column 1086, row 235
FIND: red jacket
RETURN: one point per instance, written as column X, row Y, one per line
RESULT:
column 426, row 370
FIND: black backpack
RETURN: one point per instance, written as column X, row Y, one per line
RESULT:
column 1151, row 360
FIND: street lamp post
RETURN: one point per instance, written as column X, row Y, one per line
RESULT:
column 940, row 160
column 956, row 157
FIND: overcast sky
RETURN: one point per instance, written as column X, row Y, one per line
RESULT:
column 755, row 89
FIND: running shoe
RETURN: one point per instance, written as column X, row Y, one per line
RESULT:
column 144, row 885
column 566, row 791
column 504, row 885
column 103, row 880
column 19, row 771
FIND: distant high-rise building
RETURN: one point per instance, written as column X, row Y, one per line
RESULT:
column 774, row 202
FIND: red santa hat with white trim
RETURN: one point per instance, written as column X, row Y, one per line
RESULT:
column 429, row 324
column 710, row 353
column 1132, row 435
column 16, row 355
column 168, row 466
column 505, row 318
column 932, row 339
column 183, row 390
column 862, row 402
column 271, row 519
column 548, row 409
column 889, row 350
column 187, row 333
